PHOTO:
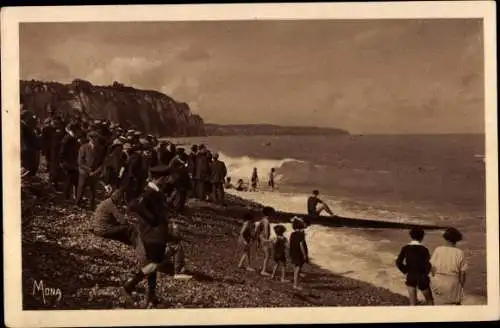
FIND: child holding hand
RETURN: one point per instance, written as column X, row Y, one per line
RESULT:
column 280, row 246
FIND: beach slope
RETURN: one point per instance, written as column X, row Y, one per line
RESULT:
column 59, row 250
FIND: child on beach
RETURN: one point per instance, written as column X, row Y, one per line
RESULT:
column 255, row 179
column 414, row 261
column 298, row 250
column 263, row 234
column 280, row 246
column 245, row 240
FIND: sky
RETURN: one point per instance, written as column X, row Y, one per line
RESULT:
column 364, row 76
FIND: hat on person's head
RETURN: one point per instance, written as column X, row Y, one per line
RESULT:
column 93, row 135
column 97, row 121
column 118, row 141
column 452, row 235
column 144, row 143
column 127, row 146
column 137, row 133
column 298, row 223
column 194, row 148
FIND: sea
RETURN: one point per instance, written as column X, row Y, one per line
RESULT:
column 437, row 179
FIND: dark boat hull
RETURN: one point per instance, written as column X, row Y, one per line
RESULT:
column 237, row 210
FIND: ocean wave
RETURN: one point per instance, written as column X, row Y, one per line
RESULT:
column 242, row 167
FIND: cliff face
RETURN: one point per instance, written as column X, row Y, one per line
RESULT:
column 268, row 129
column 149, row 111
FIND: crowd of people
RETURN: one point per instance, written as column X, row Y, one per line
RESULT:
column 145, row 181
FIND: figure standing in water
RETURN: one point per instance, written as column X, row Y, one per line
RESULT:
column 448, row 270
column 255, row 179
column 272, row 173
column 413, row 261
column 316, row 206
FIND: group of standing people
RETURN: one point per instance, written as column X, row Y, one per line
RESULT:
column 257, row 235
column 441, row 276
column 145, row 182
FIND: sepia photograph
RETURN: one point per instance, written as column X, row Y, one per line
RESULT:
column 212, row 161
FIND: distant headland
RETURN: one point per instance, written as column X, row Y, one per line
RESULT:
column 268, row 129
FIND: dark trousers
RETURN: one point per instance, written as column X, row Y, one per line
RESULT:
column 133, row 190
column 70, row 182
column 54, row 170
column 200, row 189
column 180, row 199
column 30, row 160
column 84, row 181
column 124, row 233
column 218, row 192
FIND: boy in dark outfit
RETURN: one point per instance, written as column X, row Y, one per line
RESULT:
column 298, row 249
column 414, row 261
column 153, row 233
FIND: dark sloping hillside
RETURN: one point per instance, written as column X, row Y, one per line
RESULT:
column 145, row 110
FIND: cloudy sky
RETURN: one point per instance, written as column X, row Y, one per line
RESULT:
column 370, row 76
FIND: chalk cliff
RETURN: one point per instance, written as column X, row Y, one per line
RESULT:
column 149, row 111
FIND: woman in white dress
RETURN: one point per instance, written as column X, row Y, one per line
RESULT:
column 448, row 270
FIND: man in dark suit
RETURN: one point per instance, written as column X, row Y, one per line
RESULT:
column 89, row 167
column 218, row 173
column 68, row 156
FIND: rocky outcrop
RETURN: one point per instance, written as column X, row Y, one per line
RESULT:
column 145, row 110
column 268, row 129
